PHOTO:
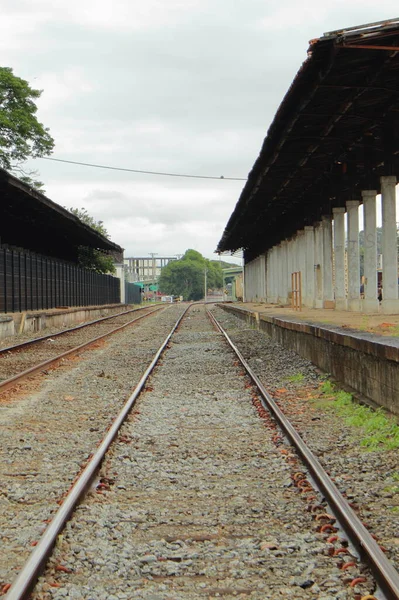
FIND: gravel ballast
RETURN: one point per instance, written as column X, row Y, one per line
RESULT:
column 51, row 426
column 369, row 479
column 195, row 498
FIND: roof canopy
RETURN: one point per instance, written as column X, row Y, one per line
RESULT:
column 31, row 221
column 335, row 133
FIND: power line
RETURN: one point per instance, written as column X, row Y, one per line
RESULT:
column 73, row 162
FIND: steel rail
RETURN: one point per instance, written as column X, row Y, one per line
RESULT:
column 42, row 338
column 11, row 381
column 383, row 570
column 27, row 577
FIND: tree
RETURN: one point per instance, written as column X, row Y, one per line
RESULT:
column 186, row 277
column 21, row 134
column 90, row 258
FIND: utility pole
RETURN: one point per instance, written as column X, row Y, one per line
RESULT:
column 205, row 284
column 153, row 255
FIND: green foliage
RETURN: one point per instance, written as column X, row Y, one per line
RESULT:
column 380, row 431
column 186, row 277
column 297, row 378
column 90, row 258
column 21, row 134
column 327, row 387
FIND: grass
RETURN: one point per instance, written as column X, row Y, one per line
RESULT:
column 297, row 378
column 380, row 432
column 365, row 323
column 393, row 489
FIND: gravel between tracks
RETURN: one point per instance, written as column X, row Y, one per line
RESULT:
column 12, row 363
column 48, row 434
column 198, row 500
column 369, row 479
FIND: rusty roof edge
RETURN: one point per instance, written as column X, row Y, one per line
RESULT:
column 14, row 181
column 362, row 29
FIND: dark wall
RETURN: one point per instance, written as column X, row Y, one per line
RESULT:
column 32, row 282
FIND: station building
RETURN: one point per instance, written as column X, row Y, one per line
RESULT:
column 332, row 147
column 39, row 245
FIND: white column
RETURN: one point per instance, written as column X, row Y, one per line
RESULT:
column 271, row 275
column 284, row 273
column 370, row 302
column 354, row 304
column 318, row 261
column 328, row 293
column 120, row 273
column 302, row 262
column 268, row 276
column 339, row 255
column 390, row 303
column 290, row 258
column 264, row 275
column 246, row 277
column 295, row 251
column 310, row 287
column 275, row 275
column 278, row 273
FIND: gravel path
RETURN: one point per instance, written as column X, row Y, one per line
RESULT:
column 196, row 500
column 48, row 434
column 368, row 479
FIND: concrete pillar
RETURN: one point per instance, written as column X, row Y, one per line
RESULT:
column 319, row 276
column 354, row 304
column 302, row 261
column 289, row 267
column 271, row 291
column 310, row 258
column 295, row 251
column 268, row 277
column 278, row 273
column 274, row 275
column 120, row 273
column 370, row 302
column 339, row 256
column 390, row 303
column 265, row 275
column 284, row 273
column 328, row 292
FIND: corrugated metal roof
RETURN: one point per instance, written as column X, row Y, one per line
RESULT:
column 30, row 220
column 335, row 133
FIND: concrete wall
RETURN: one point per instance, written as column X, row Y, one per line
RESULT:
column 255, row 279
column 7, row 327
column 366, row 364
column 36, row 321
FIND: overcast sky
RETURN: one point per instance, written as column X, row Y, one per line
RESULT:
column 180, row 86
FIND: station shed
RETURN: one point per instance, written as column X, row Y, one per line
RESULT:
column 332, row 146
column 39, row 244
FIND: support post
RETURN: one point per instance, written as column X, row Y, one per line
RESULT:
column 328, row 292
column 370, row 300
column 339, row 255
column 310, row 267
column 353, row 256
column 389, row 304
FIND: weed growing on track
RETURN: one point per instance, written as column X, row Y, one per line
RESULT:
column 296, row 378
column 380, row 431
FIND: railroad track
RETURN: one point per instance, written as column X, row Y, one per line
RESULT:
column 185, row 503
column 39, row 354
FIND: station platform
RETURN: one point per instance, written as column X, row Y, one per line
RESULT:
column 358, row 350
column 381, row 325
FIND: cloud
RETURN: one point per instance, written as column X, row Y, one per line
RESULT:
column 180, row 86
